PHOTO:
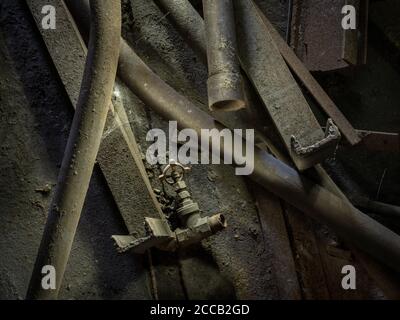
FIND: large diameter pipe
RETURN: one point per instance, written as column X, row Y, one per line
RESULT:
column 285, row 182
column 224, row 78
column 82, row 147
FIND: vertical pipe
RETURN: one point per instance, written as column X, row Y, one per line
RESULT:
column 82, row 147
column 224, row 78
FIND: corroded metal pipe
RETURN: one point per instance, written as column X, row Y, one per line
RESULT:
column 348, row 222
column 224, row 79
column 82, row 147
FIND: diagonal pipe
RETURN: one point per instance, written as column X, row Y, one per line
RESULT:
column 82, row 147
column 348, row 222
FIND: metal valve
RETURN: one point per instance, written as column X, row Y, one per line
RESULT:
column 192, row 226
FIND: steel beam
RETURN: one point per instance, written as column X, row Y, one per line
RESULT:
column 319, row 39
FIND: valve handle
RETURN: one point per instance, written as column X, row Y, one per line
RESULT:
column 173, row 172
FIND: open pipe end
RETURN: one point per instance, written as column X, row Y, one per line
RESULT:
column 228, row 105
column 217, row 222
column 225, row 92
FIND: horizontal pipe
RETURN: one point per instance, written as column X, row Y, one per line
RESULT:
column 82, row 147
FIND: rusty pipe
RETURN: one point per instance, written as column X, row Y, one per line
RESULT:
column 224, row 79
column 285, row 182
column 82, row 147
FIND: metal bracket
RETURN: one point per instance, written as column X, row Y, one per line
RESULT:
column 332, row 137
column 159, row 235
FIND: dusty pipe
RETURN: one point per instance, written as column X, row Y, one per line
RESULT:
column 82, row 147
column 348, row 222
column 186, row 20
column 224, row 79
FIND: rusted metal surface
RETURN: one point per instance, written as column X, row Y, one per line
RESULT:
column 83, row 145
column 386, row 279
column 299, row 69
column 282, row 97
column 378, row 141
column 224, row 78
column 320, row 41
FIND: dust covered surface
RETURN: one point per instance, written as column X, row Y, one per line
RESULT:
column 35, row 117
